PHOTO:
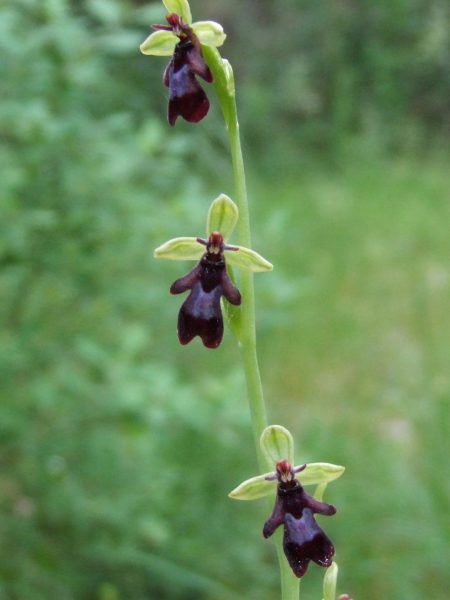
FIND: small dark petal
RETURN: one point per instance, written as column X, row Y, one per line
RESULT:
column 187, row 282
column 319, row 507
column 303, row 541
column 194, row 58
column 162, row 27
column 230, row 291
column 275, row 519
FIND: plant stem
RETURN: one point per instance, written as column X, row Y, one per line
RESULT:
column 224, row 85
column 290, row 585
column 248, row 330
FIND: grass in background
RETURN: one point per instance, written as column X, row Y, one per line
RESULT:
column 354, row 337
column 117, row 446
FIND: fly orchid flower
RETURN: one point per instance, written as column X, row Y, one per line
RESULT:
column 183, row 40
column 201, row 313
column 294, row 508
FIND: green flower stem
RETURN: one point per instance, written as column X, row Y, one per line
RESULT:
column 248, row 330
column 290, row 585
column 224, row 85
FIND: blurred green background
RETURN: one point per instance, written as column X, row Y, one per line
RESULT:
column 117, row 446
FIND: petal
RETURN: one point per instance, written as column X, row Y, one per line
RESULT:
column 329, row 582
column 275, row 519
column 247, row 259
column 187, row 282
column 223, row 215
column 303, row 541
column 320, row 473
column 186, row 96
column 277, row 444
column 182, row 248
column 180, row 8
column 194, row 58
column 230, row 291
column 159, row 43
column 318, row 506
column 254, row 488
column 201, row 315
column 209, row 33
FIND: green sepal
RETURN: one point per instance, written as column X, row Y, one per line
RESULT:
column 180, row 8
column 258, row 487
column 330, row 581
column 254, row 488
column 209, row 33
column 223, row 215
column 181, row 248
column 320, row 472
column 249, row 260
column 159, row 43
column 277, row 444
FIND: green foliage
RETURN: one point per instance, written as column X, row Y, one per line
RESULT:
column 118, row 447
column 323, row 71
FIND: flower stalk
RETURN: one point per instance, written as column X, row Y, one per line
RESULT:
column 224, row 86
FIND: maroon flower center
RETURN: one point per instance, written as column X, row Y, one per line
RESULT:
column 285, row 472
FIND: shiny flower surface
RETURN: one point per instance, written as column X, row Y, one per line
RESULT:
column 208, row 281
column 201, row 313
column 183, row 40
column 303, row 539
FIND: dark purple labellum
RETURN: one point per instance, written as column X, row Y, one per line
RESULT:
column 186, row 96
column 303, row 539
column 201, row 313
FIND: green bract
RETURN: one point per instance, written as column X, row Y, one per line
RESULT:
column 222, row 217
column 329, row 582
column 277, row 444
column 229, row 75
column 162, row 43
